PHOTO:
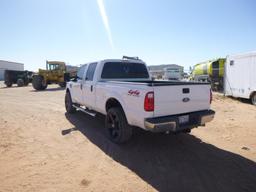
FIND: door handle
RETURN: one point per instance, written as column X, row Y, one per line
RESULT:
column 91, row 88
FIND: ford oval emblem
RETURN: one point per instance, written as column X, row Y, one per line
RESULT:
column 186, row 99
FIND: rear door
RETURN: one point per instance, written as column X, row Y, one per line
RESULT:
column 178, row 99
column 88, row 87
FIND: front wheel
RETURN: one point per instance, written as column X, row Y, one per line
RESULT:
column 118, row 129
column 69, row 103
column 253, row 98
column 38, row 82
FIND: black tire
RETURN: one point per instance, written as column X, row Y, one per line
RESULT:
column 38, row 82
column 20, row 82
column 69, row 103
column 118, row 129
column 253, row 98
column 186, row 131
column 62, row 84
column 8, row 84
column 44, row 87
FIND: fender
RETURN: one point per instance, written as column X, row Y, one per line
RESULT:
column 68, row 88
column 117, row 96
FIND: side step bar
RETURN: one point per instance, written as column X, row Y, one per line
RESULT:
column 85, row 110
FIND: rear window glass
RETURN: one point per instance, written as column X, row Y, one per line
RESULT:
column 90, row 71
column 124, row 70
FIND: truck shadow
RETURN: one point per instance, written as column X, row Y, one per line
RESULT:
column 172, row 162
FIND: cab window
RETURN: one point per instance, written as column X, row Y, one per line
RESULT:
column 81, row 71
column 90, row 72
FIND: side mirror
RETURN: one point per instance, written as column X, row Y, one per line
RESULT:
column 74, row 79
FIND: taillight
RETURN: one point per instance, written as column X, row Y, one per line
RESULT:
column 210, row 96
column 149, row 103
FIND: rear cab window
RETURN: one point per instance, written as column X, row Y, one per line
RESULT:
column 124, row 70
column 90, row 72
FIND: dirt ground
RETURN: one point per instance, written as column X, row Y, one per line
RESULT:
column 44, row 149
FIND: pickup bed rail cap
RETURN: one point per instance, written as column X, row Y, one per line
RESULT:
column 153, row 83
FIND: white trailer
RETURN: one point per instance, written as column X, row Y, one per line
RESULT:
column 240, row 76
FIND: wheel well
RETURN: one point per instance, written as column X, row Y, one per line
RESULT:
column 112, row 102
column 254, row 92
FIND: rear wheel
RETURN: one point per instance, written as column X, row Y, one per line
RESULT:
column 8, row 84
column 38, row 82
column 20, row 82
column 118, row 129
column 69, row 103
column 253, row 98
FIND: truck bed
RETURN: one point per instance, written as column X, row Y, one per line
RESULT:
column 156, row 83
column 171, row 97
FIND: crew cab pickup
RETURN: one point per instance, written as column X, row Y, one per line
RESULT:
column 123, row 91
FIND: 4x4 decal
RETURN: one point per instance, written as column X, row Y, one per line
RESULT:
column 133, row 92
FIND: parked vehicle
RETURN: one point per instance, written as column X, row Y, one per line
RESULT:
column 210, row 71
column 173, row 73
column 21, row 78
column 122, row 90
column 56, row 72
column 240, row 76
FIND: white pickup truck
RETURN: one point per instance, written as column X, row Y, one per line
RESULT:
column 123, row 91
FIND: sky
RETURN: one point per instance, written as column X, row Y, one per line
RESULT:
column 183, row 32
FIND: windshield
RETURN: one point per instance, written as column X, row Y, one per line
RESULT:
column 124, row 70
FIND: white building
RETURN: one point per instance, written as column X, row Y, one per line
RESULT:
column 4, row 65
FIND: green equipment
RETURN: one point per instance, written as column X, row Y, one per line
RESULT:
column 21, row 78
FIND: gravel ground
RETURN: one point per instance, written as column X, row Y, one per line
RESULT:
column 44, row 149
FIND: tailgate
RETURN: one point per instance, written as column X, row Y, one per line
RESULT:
column 178, row 99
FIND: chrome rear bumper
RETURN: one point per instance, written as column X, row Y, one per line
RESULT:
column 171, row 123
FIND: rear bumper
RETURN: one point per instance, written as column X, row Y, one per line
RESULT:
column 171, row 123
